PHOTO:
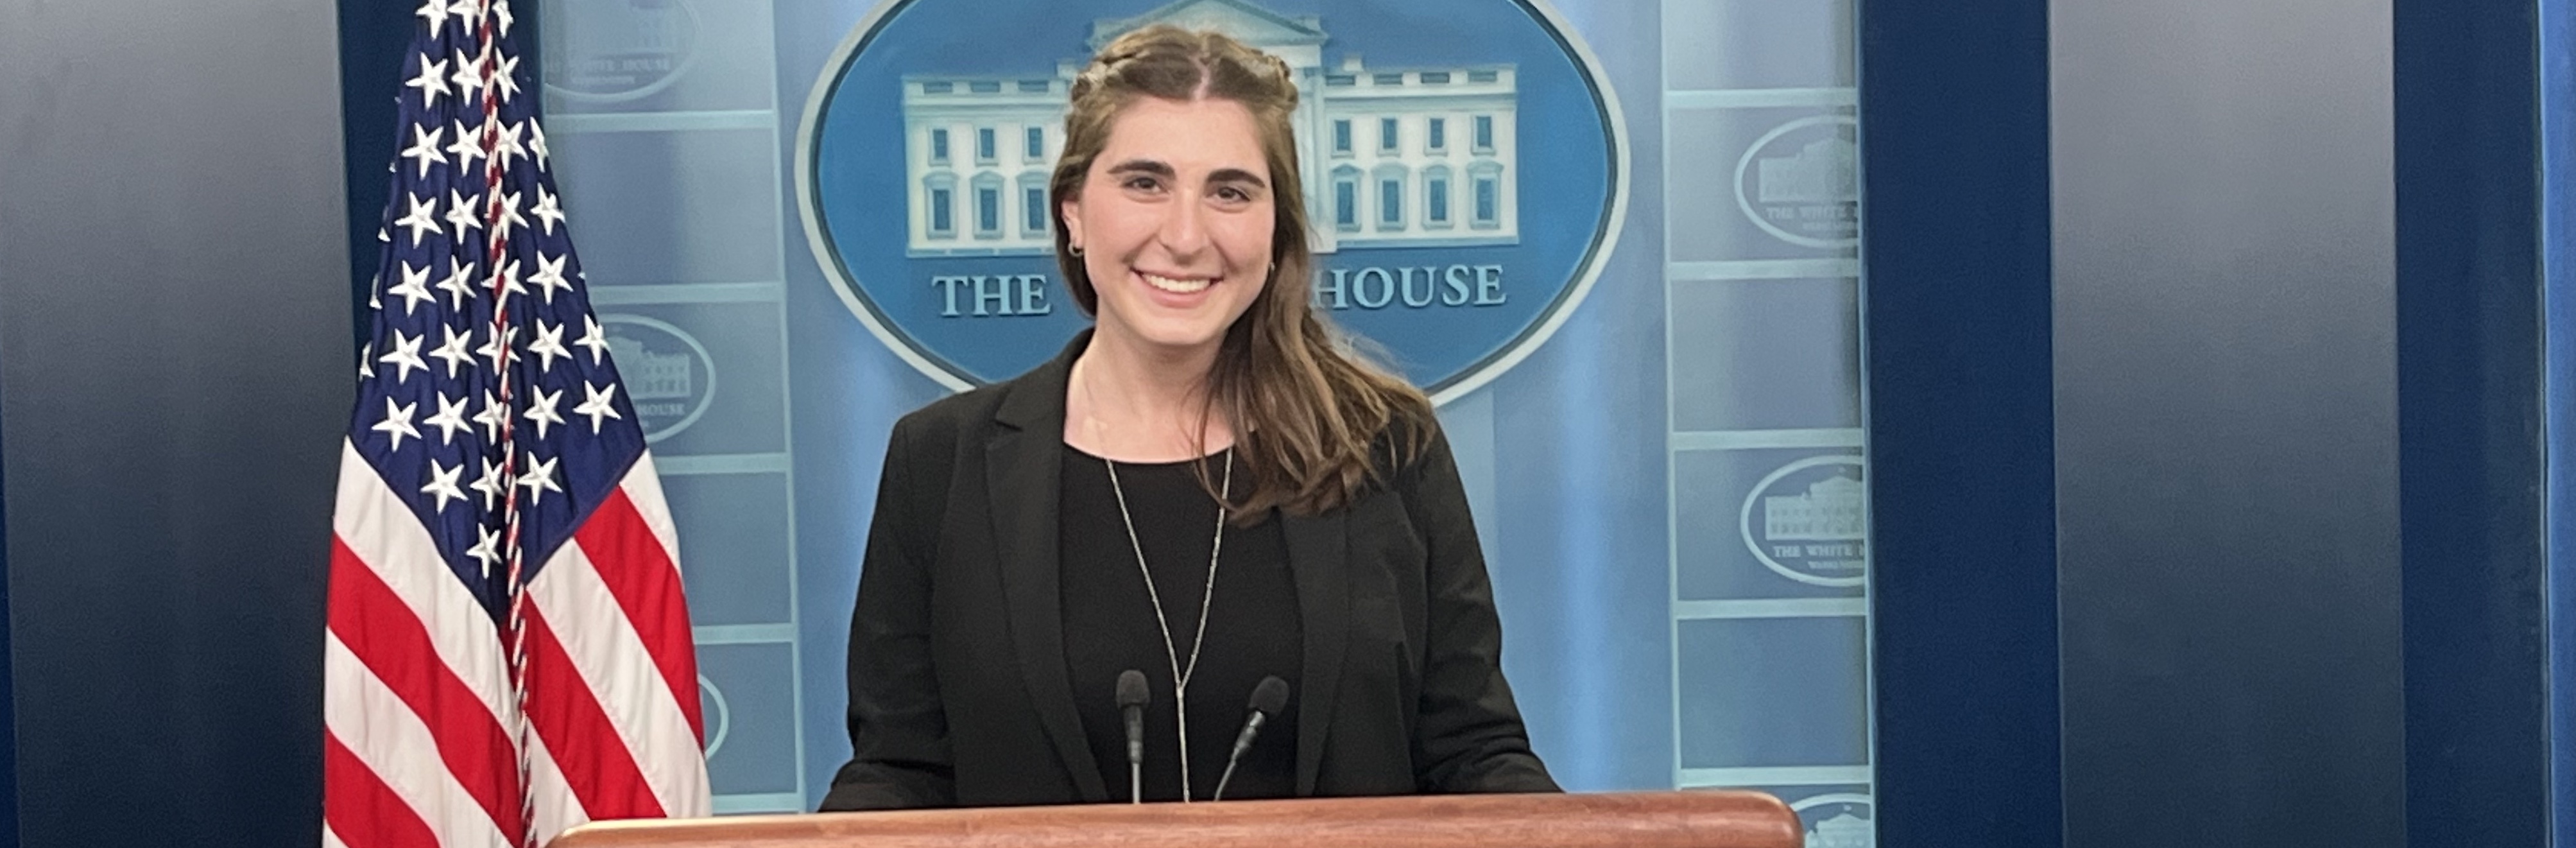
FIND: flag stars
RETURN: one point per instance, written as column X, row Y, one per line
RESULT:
column 460, row 214
column 487, row 551
column 397, row 422
column 424, row 148
column 493, row 418
column 414, row 287
column 501, row 12
column 459, row 285
column 435, row 12
column 510, row 219
column 547, row 209
column 493, row 484
column 404, row 354
column 505, row 79
column 453, row 350
column 599, row 403
column 442, row 483
column 537, row 142
column 541, row 410
column 547, row 345
column 593, row 339
column 549, row 276
column 450, row 418
column 432, row 81
column 508, row 145
column 497, row 348
column 468, row 77
column 507, row 281
column 465, row 149
column 423, row 217
column 539, row 480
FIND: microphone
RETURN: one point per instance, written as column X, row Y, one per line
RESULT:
column 1267, row 699
column 1132, row 696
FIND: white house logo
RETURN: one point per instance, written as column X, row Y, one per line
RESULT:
column 1798, row 182
column 617, row 49
column 1836, row 820
column 1808, row 521
column 668, row 375
column 1464, row 178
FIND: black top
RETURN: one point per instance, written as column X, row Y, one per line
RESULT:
column 1110, row 627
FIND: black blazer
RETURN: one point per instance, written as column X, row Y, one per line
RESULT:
column 959, row 695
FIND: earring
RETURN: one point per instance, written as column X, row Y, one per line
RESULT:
column 1076, row 249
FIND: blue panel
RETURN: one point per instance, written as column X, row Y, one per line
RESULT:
column 1773, row 692
column 1766, row 354
column 1956, row 312
column 2470, row 461
column 720, row 186
column 751, row 730
column 733, row 546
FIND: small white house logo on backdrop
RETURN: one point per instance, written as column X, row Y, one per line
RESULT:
column 609, row 50
column 1808, row 521
column 1837, row 820
column 1799, row 182
column 670, row 377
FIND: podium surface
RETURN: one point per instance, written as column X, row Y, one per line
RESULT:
column 1626, row 820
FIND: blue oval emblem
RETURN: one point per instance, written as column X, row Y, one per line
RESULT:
column 1464, row 161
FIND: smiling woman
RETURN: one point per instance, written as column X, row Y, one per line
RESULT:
column 1209, row 416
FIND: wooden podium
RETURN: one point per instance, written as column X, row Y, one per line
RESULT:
column 1629, row 820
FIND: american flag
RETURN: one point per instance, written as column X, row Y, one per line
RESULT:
column 508, row 652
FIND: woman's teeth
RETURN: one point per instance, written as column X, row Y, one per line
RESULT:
column 1175, row 286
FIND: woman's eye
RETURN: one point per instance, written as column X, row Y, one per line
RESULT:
column 1141, row 183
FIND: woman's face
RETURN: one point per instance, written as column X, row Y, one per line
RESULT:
column 1174, row 223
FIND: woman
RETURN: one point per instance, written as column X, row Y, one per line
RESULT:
column 1204, row 488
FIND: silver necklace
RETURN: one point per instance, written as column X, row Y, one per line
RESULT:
column 1180, row 673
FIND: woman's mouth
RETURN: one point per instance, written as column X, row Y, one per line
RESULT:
column 1176, row 285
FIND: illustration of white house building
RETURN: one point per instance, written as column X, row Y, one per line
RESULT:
column 1393, row 157
column 1829, row 511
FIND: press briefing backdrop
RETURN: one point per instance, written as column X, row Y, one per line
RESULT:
column 1617, row 240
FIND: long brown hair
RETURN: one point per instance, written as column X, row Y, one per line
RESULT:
column 1309, row 414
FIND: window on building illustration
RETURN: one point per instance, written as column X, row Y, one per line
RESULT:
column 1388, row 79
column 1483, row 76
column 984, row 144
column 1484, row 133
column 1489, row 199
column 943, row 221
column 988, row 210
column 1342, row 135
column 1036, row 144
column 938, row 147
column 1386, row 137
column 1435, row 197
column 1437, row 137
column 1033, row 209
column 1390, row 203
column 1435, row 77
column 985, row 87
column 1346, row 204
column 1033, row 86
column 938, row 87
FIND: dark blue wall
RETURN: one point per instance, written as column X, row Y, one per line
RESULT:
column 173, row 317
column 2470, row 424
column 1955, row 170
